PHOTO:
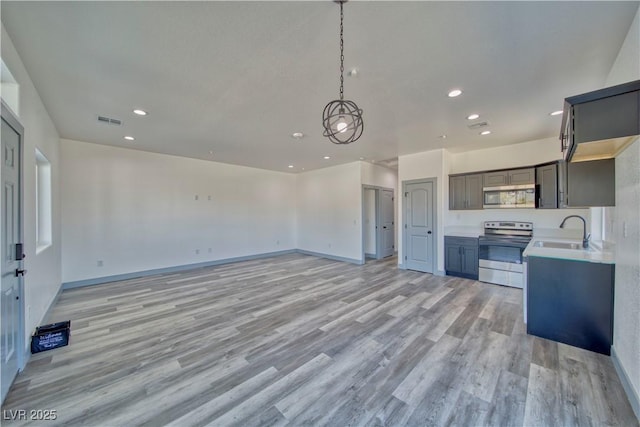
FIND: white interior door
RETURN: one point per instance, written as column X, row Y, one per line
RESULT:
column 369, row 229
column 419, row 233
column 11, row 266
column 387, row 236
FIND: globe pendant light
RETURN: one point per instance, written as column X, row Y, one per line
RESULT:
column 342, row 120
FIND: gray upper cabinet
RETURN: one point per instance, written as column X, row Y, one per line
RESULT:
column 465, row 192
column 547, row 186
column 602, row 123
column 473, row 187
column 591, row 183
column 495, row 179
column 522, row 176
column 510, row 177
column 606, row 118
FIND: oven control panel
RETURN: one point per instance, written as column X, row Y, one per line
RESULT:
column 508, row 225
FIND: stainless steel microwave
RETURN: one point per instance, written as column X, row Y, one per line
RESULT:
column 511, row 196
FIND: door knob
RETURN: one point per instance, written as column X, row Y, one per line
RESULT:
column 20, row 272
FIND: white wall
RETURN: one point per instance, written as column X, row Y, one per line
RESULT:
column 329, row 210
column 428, row 164
column 137, row 211
column 43, row 279
column 508, row 156
column 626, row 322
column 378, row 176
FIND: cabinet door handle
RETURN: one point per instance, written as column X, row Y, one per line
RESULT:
column 540, row 202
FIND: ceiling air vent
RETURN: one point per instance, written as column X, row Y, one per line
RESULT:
column 109, row 121
column 479, row 125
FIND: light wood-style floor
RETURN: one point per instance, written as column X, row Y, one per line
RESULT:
column 299, row 340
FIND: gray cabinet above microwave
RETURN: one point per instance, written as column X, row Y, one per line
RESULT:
column 509, row 177
column 600, row 124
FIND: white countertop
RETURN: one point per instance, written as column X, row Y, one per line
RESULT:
column 463, row 231
column 594, row 253
column 462, row 234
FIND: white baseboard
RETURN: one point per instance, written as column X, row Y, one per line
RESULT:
column 632, row 393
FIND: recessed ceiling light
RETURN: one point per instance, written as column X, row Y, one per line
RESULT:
column 361, row 158
column 327, row 157
column 443, row 136
column 140, row 112
column 297, row 135
column 210, row 151
column 556, row 113
column 473, row 116
column 129, row 138
column 290, row 166
column 485, row 132
column 454, row 93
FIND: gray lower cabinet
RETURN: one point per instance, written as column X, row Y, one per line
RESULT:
column 465, row 192
column 571, row 302
column 547, row 186
column 461, row 256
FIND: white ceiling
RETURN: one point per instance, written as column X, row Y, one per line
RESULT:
column 238, row 78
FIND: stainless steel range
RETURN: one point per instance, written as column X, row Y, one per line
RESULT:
column 500, row 252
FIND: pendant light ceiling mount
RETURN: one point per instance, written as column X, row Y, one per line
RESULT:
column 342, row 119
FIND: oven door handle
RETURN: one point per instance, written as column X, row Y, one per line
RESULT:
column 521, row 245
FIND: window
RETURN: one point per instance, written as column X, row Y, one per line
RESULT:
column 43, row 202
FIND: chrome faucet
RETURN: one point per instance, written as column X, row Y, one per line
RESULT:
column 585, row 238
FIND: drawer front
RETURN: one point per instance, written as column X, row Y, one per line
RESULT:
column 460, row 241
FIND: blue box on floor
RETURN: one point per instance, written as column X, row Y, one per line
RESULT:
column 48, row 337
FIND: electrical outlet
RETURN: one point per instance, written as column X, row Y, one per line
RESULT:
column 209, row 250
column 197, row 251
column 277, row 242
column 329, row 244
column 209, row 198
column 196, row 197
column 99, row 263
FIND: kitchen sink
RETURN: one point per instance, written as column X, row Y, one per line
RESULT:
column 557, row 245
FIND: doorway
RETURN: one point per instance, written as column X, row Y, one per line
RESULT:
column 378, row 222
column 420, row 225
column 11, row 251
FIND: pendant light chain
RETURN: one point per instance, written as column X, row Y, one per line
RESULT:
column 342, row 119
column 341, row 53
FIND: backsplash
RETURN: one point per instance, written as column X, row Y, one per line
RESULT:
column 545, row 221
